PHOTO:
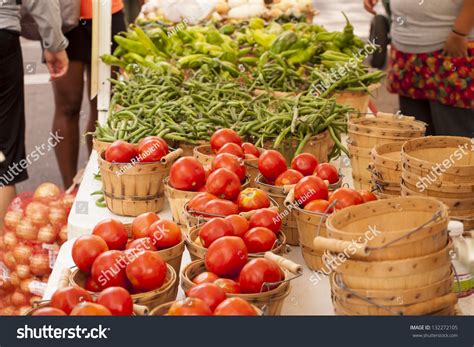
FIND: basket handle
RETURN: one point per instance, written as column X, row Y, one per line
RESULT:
column 338, row 246
column 288, row 187
column 249, row 214
column 430, row 306
column 290, row 198
column 64, row 278
column 284, row 263
column 172, row 156
column 140, row 310
column 394, row 116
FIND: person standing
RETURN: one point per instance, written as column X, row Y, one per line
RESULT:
column 12, row 103
column 431, row 64
column 69, row 90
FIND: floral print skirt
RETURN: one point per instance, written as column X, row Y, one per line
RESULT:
column 433, row 76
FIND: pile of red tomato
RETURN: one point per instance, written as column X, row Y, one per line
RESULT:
column 228, row 141
column 259, row 233
column 148, row 150
column 208, row 299
column 76, row 301
column 110, row 260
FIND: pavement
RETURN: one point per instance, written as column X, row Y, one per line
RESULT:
column 40, row 101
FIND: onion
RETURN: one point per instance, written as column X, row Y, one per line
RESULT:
column 63, row 234
column 5, row 285
column 14, row 279
column 57, row 216
column 38, row 213
column 22, row 254
column 9, row 260
column 47, row 234
column 68, row 201
column 39, row 264
column 26, row 230
column 8, row 311
column 48, row 191
column 23, row 271
column 2, row 244
column 10, row 240
column 25, row 285
column 19, row 299
column 12, row 218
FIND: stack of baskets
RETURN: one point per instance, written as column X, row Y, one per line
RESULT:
column 365, row 133
column 390, row 257
column 442, row 167
column 386, row 169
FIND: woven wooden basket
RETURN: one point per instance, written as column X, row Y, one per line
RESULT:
column 177, row 200
column 270, row 302
column 320, row 146
column 167, row 292
column 174, row 255
column 393, row 229
column 360, row 161
column 356, row 100
column 387, row 161
column 162, row 310
column 100, row 146
column 205, row 155
column 188, row 148
column 198, row 251
column 131, row 190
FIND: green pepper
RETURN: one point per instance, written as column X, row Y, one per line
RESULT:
column 227, row 29
column 303, row 56
column 131, row 46
column 347, row 37
column 283, row 42
column 111, row 60
column 214, row 37
column 326, row 36
column 263, row 39
column 256, row 23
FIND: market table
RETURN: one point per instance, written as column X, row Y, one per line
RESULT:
column 309, row 295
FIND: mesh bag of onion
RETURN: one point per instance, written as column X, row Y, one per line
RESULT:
column 35, row 226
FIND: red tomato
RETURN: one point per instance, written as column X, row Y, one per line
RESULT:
column 147, row 272
column 288, row 177
column 252, row 199
column 210, row 293
column 221, row 207
column 213, row 230
column 65, row 299
column 230, row 286
column 141, row 224
column 327, row 172
column 250, row 149
column 304, row 163
column 310, row 188
column 224, row 184
column 187, row 173
column 232, row 148
column 256, row 273
column 239, row 224
column 117, row 300
column 48, row 311
column 164, row 144
column 267, row 218
column 198, row 202
column 108, row 270
column 85, row 249
column 367, row 196
column 91, row 285
column 259, row 240
column 202, row 189
column 113, row 232
column 222, row 137
column 231, row 163
column 90, row 309
column 165, row 234
column 226, row 256
column 120, row 152
column 345, row 197
column 189, row 307
column 272, row 164
column 235, row 307
column 151, row 149
column 320, row 206
column 205, row 277
column 143, row 244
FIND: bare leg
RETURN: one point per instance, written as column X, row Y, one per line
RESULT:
column 68, row 93
column 7, row 194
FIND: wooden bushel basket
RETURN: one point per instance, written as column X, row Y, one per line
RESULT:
column 100, row 146
column 387, row 161
column 360, row 161
column 167, row 292
column 356, row 100
column 131, row 190
column 198, row 251
column 162, row 310
column 177, row 200
column 270, row 302
column 205, row 155
column 174, row 255
column 319, row 145
column 393, row 229
column 188, row 148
